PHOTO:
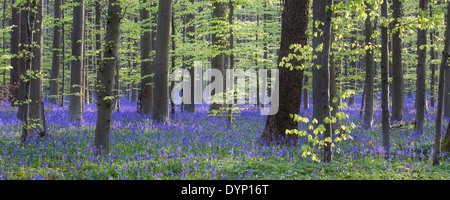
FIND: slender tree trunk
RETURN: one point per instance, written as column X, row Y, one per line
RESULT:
column 190, row 34
column 230, row 21
column 161, row 92
column 105, row 95
column 385, row 82
column 76, row 76
column 369, row 93
column 398, row 87
column 24, row 15
column 440, row 105
column 30, row 20
column 354, row 69
column 146, row 94
column 15, row 59
column 421, row 92
column 325, row 97
column 433, row 70
column 98, row 40
column 294, row 26
column 54, row 77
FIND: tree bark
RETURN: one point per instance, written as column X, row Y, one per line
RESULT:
column 440, row 105
column 161, row 92
column 398, row 86
column 369, row 91
column 15, row 59
column 421, row 89
column 56, row 61
column 317, row 70
column 294, row 26
column 76, row 76
column 146, row 94
column 385, row 82
column 105, row 95
column 326, row 80
column 190, row 34
column 218, row 43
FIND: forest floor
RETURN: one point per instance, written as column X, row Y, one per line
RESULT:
column 197, row 147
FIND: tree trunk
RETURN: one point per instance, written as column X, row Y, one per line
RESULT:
column 98, row 41
column 161, row 78
column 15, row 59
column 369, row 91
column 54, row 77
column 398, row 87
column 36, row 106
column 294, row 26
column 190, row 34
column 230, row 21
column 421, row 89
column 385, row 82
column 440, row 105
column 76, row 76
column 146, row 94
column 105, row 96
column 317, row 70
column 218, row 43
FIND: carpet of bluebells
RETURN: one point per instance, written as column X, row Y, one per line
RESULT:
column 196, row 146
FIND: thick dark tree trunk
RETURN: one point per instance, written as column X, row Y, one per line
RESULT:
column 76, row 76
column 398, row 87
column 317, row 70
column 105, row 95
column 161, row 78
column 294, row 26
column 54, row 76
column 218, row 42
column 421, row 88
column 36, row 105
column 146, row 94
column 440, row 105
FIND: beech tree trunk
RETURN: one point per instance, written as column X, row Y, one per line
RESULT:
column 218, row 42
column 146, row 94
column 190, row 34
column 440, row 105
column 56, row 63
column 398, row 86
column 105, row 95
column 317, row 70
column 385, row 82
column 36, row 106
column 161, row 78
column 421, row 89
column 15, row 59
column 369, row 91
column 76, row 73
column 294, row 26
